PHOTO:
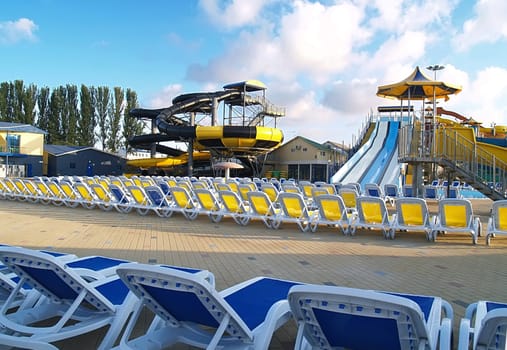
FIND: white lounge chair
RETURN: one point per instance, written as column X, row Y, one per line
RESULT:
column 188, row 309
column 76, row 301
column 497, row 223
column 456, row 215
column 331, row 317
column 484, row 326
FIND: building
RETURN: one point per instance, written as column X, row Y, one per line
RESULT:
column 21, row 149
column 304, row 159
column 81, row 160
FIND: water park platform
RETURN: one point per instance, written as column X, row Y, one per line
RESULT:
column 451, row 268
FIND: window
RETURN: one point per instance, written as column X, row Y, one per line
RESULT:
column 13, row 142
column 72, row 165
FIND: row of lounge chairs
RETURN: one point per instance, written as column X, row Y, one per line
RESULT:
column 306, row 205
column 60, row 296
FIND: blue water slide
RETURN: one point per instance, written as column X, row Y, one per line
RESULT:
column 392, row 173
column 351, row 163
column 369, row 157
column 383, row 158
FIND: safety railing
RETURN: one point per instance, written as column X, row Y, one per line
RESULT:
column 480, row 168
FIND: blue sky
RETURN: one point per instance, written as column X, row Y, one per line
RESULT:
column 321, row 60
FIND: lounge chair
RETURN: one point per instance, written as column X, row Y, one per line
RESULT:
column 209, row 204
column 161, row 203
column 294, row 209
column 431, row 192
column 73, row 303
column 331, row 212
column 456, row 215
column 271, row 190
column 190, row 310
column 235, row 207
column 392, row 191
column 262, row 207
column 371, row 213
column 374, row 190
column 484, row 326
column 408, row 190
column 184, row 203
column 331, row 317
column 411, row 215
column 497, row 223
column 349, row 195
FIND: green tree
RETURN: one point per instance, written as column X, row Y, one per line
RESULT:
column 114, row 137
column 70, row 113
column 29, row 102
column 131, row 125
column 43, row 107
column 103, row 108
column 4, row 101
column 18, row 91
column 56, row 104
column 86, row 123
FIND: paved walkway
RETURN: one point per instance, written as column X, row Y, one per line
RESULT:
column 452, row 267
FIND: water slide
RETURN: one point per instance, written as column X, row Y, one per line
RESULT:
column 378, row 167
column 361, row 167
column 356, row 157
column 376, row 161
column 241, row 140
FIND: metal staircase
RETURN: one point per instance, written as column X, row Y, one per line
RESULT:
column 457, row 155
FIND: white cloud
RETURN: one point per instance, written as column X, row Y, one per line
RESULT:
column 12, row 32
column 488, row 25
column 165, row 96
column 235, row 13
column 310, row 39
column 399, row 16
column 483, row 98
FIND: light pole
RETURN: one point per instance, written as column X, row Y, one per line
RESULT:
column 435, row 68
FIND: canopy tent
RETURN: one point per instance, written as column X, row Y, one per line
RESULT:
column 417, row 86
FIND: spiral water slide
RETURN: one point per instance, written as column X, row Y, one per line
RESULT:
column 237, row 139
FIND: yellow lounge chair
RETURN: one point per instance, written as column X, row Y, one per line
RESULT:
column 456, row 215
column 497, row 223
column 371, row 213
column 411, row 215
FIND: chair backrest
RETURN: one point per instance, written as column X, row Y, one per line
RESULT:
column 454, row 212
column 372, row 210
column 182, row 197
column 260, row 203
column 293, row 205
column 331, row 207
column 407, row 191
column 319, row 191
column 499, row 215
column 49, row 276
column 101, row 193
column 349, row 196
column 178, row 296
column 412, row 211
column 243, row 189
column 116, row 192
column 270, row 190
column 156, row 195
column 430, row 192
column 139, row 195
column 373, row 190
column 232, row 202
column 337, row 317
column 391, row 190
column 207, row 199
column 84, row 191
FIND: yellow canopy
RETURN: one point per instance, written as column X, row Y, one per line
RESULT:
column 417, row 86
